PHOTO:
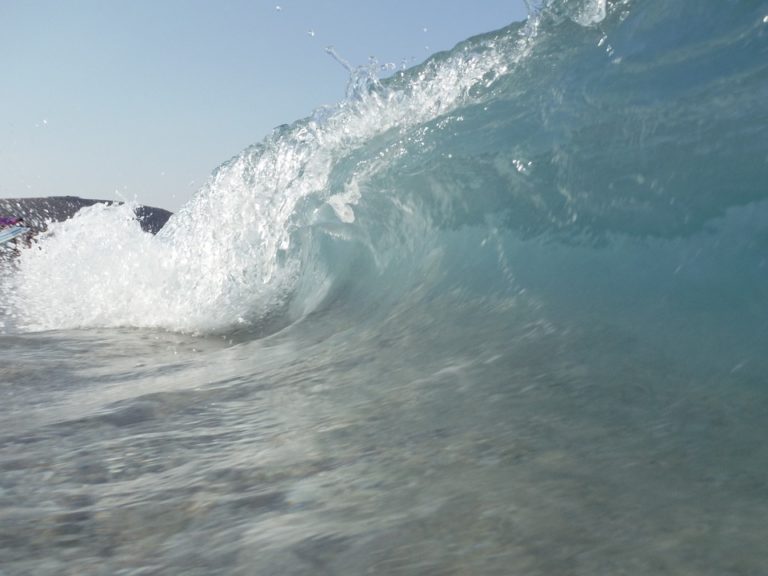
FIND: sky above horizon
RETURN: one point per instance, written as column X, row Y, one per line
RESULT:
column 142, row 100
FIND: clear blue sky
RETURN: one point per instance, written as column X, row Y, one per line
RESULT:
column 144, row 98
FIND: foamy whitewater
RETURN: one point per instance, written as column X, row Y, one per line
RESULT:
column 505, row 312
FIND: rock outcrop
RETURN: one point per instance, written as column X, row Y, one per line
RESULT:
column 37, row 212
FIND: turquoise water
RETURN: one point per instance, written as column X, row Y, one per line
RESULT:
column 502, row 313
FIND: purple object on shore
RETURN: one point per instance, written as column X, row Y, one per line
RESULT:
column 9, row 221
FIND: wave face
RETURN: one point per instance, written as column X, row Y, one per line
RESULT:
column 604, row 158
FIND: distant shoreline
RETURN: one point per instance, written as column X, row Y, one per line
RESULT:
column 37, row 212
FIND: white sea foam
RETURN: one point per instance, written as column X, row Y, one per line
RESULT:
column 227, row 256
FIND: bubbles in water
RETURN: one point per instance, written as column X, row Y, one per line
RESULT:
column 590, row 12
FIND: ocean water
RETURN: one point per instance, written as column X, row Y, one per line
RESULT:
column 504, row 313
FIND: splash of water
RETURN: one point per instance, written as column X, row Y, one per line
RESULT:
column 228, row 257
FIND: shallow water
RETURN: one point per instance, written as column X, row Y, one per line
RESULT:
column 559, row 451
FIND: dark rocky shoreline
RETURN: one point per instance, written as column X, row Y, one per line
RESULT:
column 37, row 212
